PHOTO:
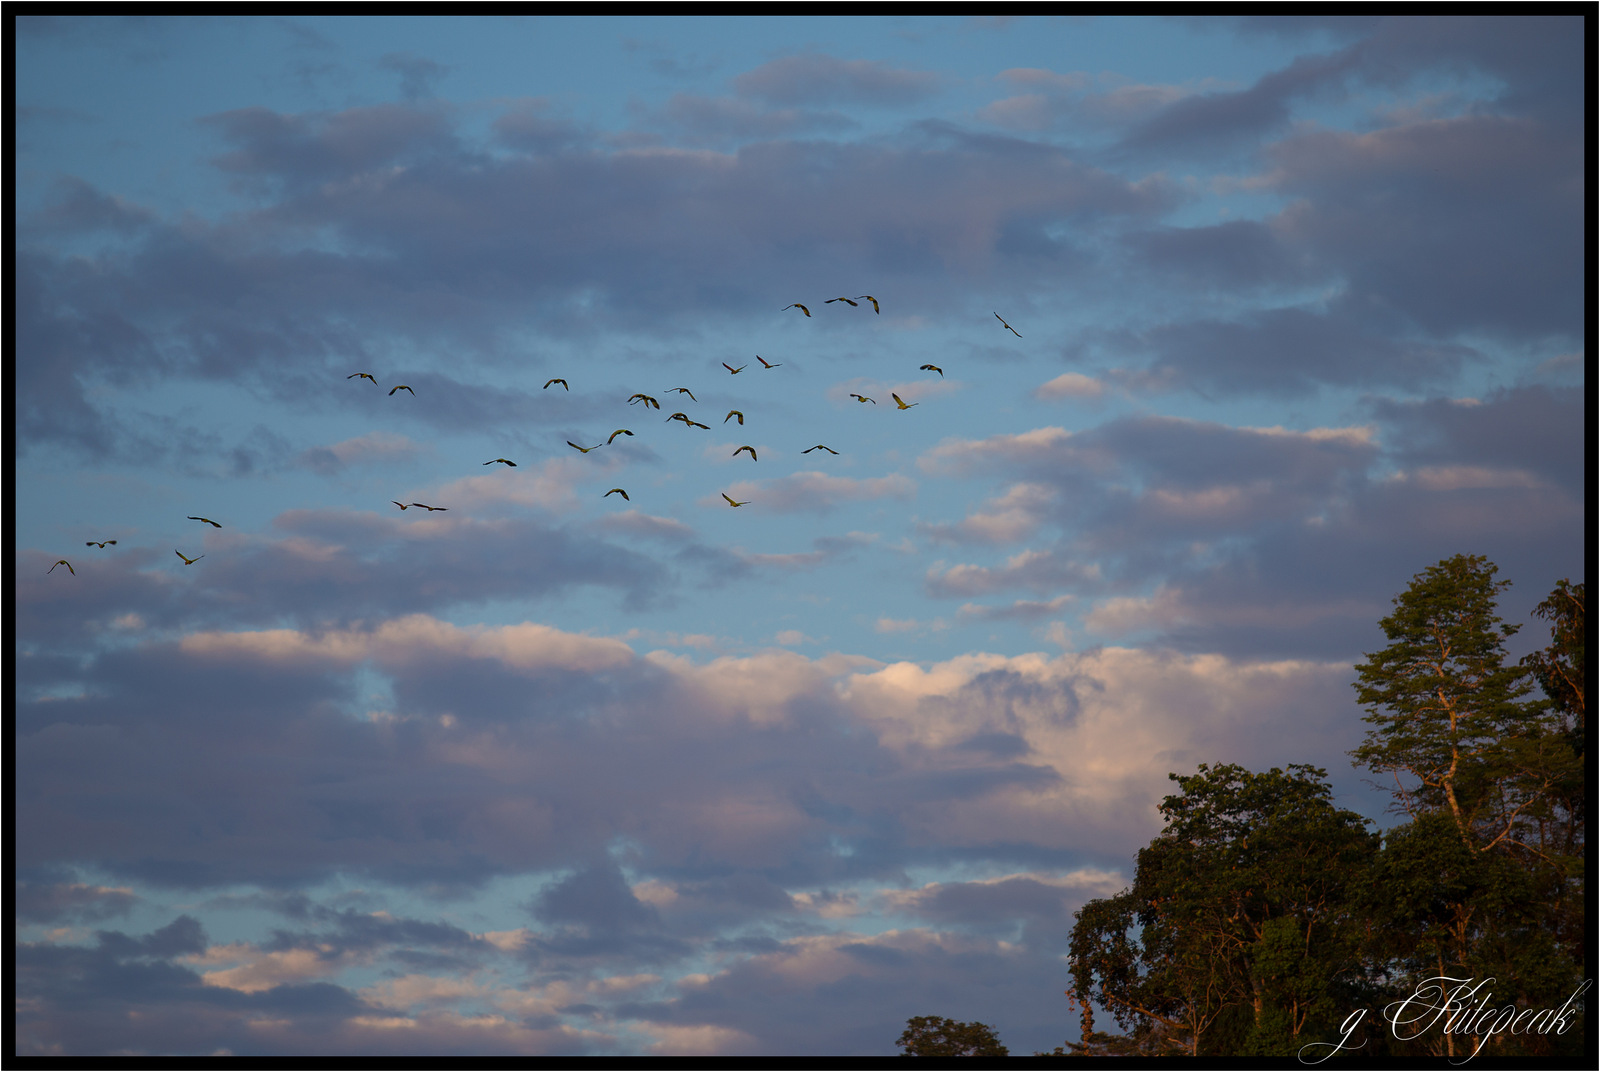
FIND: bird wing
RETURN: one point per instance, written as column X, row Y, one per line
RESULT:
column 401, row 505
column 733, row 413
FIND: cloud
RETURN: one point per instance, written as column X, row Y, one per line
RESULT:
column 1070, row 385
column 707, row 120
column 1011, row 517
column 491, row 728
column 1434, row 220
column 418, row 74
column 818, row 492
column 1245, row 356
column 371, row 448
column 813, row 78
column 50, row 902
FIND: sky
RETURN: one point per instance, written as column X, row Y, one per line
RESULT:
column 1208, row 335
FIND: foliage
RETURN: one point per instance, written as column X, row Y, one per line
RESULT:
column 1242, row 906
column 934, row 1036
column 1485, row 881
column 1444, row 709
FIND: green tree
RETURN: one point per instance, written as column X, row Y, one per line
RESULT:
column 934, row 1036
column 1447, row 716
column 1562, row 671
column 1246, row 936
column 1485, row 880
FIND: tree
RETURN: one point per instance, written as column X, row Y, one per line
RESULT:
column 1485, row 880
column 1246, row 937
column 934, row 1036
column 1447, row 714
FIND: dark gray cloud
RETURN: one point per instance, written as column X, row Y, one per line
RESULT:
column 419, row 75
column 863, row 991
column 1216, row 123
column 438, row 247
column 703, row 120
column 1539, row 62
column 1292, row 351
column 816, row 79
column 79, row 207
column 1242, row 254
column 335, row 567
column 1454, row 224
column 40, row 900
column 1534, row 430
column 1285, row 544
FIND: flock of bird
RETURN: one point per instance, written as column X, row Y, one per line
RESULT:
column 649, row 403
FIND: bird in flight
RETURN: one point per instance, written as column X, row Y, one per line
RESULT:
column 207, row 520
column 767, row 364
column 428, row 508
column 616, row 491
column 863, row 398
column 64, row 562
column 733, row 370
column 732, row 413
column 187, row 561
column 402, row 505
column 819, row 446
column 99, row 543
column 575, row 446
column 682, row 391
column 873, row 300
column 402, row 387
column 684, row 417
column 619, row 431
column 732, row 503
column 804, row 310
column 559, row 380
column 752, row 451
column 502, row 461
column 364, row 376
column 902, row 404
column 1009, row 328
column 934, row 368
column 847, row 301
column 648, row 401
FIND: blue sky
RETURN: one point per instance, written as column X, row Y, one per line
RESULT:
column 1297, row 308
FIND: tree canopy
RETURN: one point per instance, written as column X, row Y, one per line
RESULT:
column 935, row 1036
